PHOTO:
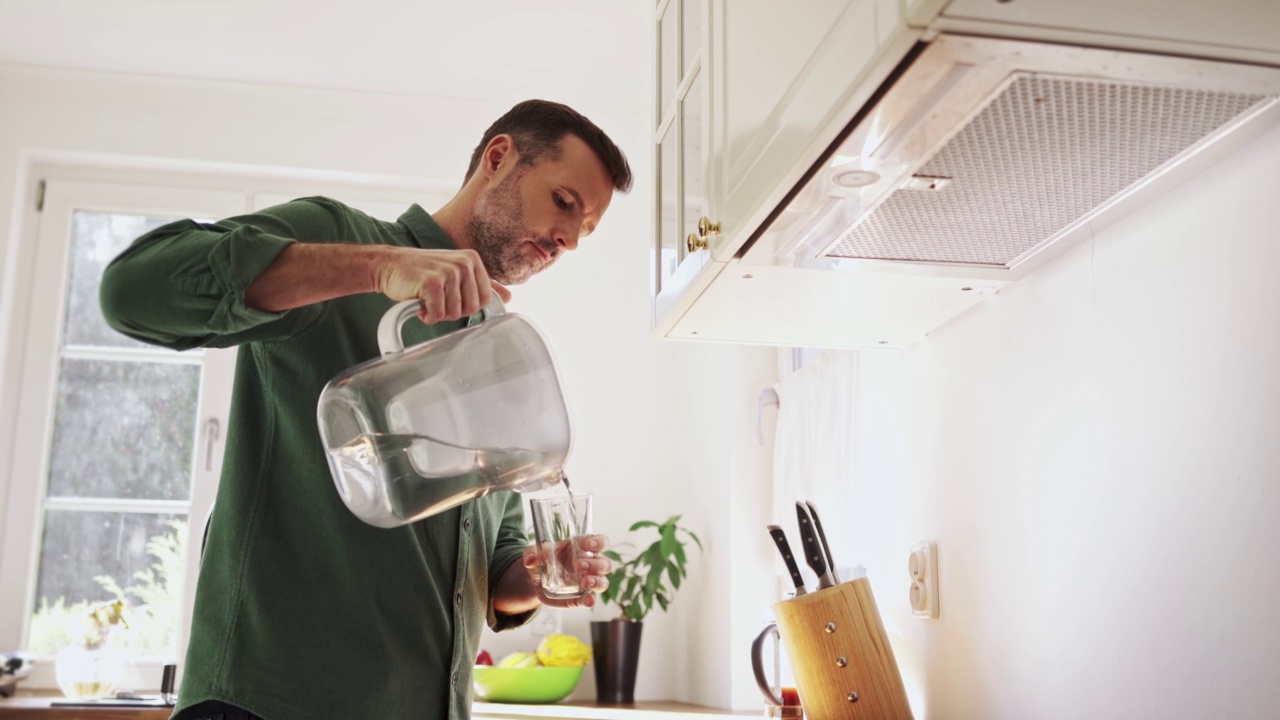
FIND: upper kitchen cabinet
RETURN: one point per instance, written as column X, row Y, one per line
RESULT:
column 744, row 87
column 856, row 173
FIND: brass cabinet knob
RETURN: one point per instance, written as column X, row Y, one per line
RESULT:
column 706, row 228
column 701, row 240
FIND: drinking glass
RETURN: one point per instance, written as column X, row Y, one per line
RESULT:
column 558, row 523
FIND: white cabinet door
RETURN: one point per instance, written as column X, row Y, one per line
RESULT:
column 791, row 73
column 681, row 147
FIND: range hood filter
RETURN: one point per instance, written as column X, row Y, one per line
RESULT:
column 1043, row 153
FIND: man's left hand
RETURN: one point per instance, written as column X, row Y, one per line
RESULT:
column 590, row 565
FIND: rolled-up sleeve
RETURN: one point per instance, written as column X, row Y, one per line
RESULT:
column 508, row 549
column 183, row 285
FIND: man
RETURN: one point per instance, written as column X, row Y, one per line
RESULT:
column 302, row 610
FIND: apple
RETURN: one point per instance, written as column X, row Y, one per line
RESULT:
column 484, row 658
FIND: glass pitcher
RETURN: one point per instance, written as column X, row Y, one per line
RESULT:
column 427, row 428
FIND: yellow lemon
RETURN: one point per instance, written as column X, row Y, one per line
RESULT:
column 563, row 651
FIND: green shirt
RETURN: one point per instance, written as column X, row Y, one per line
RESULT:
column 302, row 610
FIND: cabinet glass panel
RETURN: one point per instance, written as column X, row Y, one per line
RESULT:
column 692, row 163
column 690, row 32
column 668, row 70
column 669, row 247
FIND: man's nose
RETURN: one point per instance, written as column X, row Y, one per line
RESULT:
column 567, row 237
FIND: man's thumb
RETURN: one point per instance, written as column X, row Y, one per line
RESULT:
column 503, row 293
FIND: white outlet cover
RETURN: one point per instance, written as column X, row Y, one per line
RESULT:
column 922, row 567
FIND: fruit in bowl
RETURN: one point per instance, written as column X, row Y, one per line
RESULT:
column 547, row 676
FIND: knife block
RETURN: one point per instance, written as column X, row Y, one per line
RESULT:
column 840, row 654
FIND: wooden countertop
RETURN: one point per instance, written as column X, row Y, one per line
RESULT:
column 38, row 708
column 586, row 710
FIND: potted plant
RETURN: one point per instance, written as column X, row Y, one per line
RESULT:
column 637, row 585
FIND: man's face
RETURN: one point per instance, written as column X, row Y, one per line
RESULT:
column 531, row 215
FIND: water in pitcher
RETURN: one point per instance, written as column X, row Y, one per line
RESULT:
column 391, row 479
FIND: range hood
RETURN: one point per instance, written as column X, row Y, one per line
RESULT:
column 979, row 158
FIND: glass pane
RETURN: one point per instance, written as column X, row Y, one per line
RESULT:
column 691, row 145
column 668, row 71
column 90, row 558
column 690, row 31
column 668, row 221
column 124, row 430
column 96, row 239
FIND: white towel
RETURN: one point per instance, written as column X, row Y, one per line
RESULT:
column 814, row 450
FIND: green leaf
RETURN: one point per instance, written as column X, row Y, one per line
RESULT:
column 651, row 582
column 643, row 524
column 674, row 573
column 669, row 543
column 695, row 538
column 612, row 556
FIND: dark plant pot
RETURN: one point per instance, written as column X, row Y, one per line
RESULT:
column 616, row 654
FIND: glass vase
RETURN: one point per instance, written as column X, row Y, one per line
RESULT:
column 86, row 674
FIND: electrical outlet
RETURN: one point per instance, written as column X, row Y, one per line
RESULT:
column 546, row 622
column 923, row 568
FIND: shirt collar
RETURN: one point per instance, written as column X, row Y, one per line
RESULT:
column 424, row 229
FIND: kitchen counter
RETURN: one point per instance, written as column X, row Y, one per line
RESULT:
column 584, row 710
column 38, row 708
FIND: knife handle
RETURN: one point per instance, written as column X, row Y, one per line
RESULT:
column 784, row 547
column 822, row 538
column 812, row 548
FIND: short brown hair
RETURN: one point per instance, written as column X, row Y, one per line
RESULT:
column 538, row 126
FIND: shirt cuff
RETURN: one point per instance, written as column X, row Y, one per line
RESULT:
column 238, row 257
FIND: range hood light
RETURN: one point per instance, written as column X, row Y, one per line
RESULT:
column 854, row 178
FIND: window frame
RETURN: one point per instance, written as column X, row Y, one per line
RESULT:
column 31, row 328
column 39, row 350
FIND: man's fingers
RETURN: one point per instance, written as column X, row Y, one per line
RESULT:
column 469, row 289
column 592, row 543
column 595, row 566
column 595, row 583
column 452, row 284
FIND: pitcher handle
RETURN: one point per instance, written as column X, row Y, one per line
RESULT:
column 390, row 341
column 757, row 664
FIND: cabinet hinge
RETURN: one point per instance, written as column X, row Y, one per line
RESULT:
column 40, row 196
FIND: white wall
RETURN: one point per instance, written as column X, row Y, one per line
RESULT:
column 632, row 447
column 1095, row 451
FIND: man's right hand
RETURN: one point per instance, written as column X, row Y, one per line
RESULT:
column 451, row 284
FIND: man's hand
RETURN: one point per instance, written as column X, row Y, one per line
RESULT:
column 451, row 284
column 591, row 567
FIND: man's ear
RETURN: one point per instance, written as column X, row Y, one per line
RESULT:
column 501, row 149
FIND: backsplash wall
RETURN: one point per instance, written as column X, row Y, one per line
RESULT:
column 1094, row 451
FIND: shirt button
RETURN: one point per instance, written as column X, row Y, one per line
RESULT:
column 466, row 524
column 454, row 681
column 458, row 599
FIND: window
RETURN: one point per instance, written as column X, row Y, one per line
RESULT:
column 117, row 445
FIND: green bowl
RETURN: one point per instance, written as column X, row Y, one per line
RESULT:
column 525, row 685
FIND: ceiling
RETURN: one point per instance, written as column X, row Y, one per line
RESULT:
column 482, row 50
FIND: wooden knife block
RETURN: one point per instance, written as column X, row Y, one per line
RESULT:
column 839, row 651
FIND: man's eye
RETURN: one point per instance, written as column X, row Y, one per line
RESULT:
column 560, row 201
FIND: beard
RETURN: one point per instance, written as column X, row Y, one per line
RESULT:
column 498, row 235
